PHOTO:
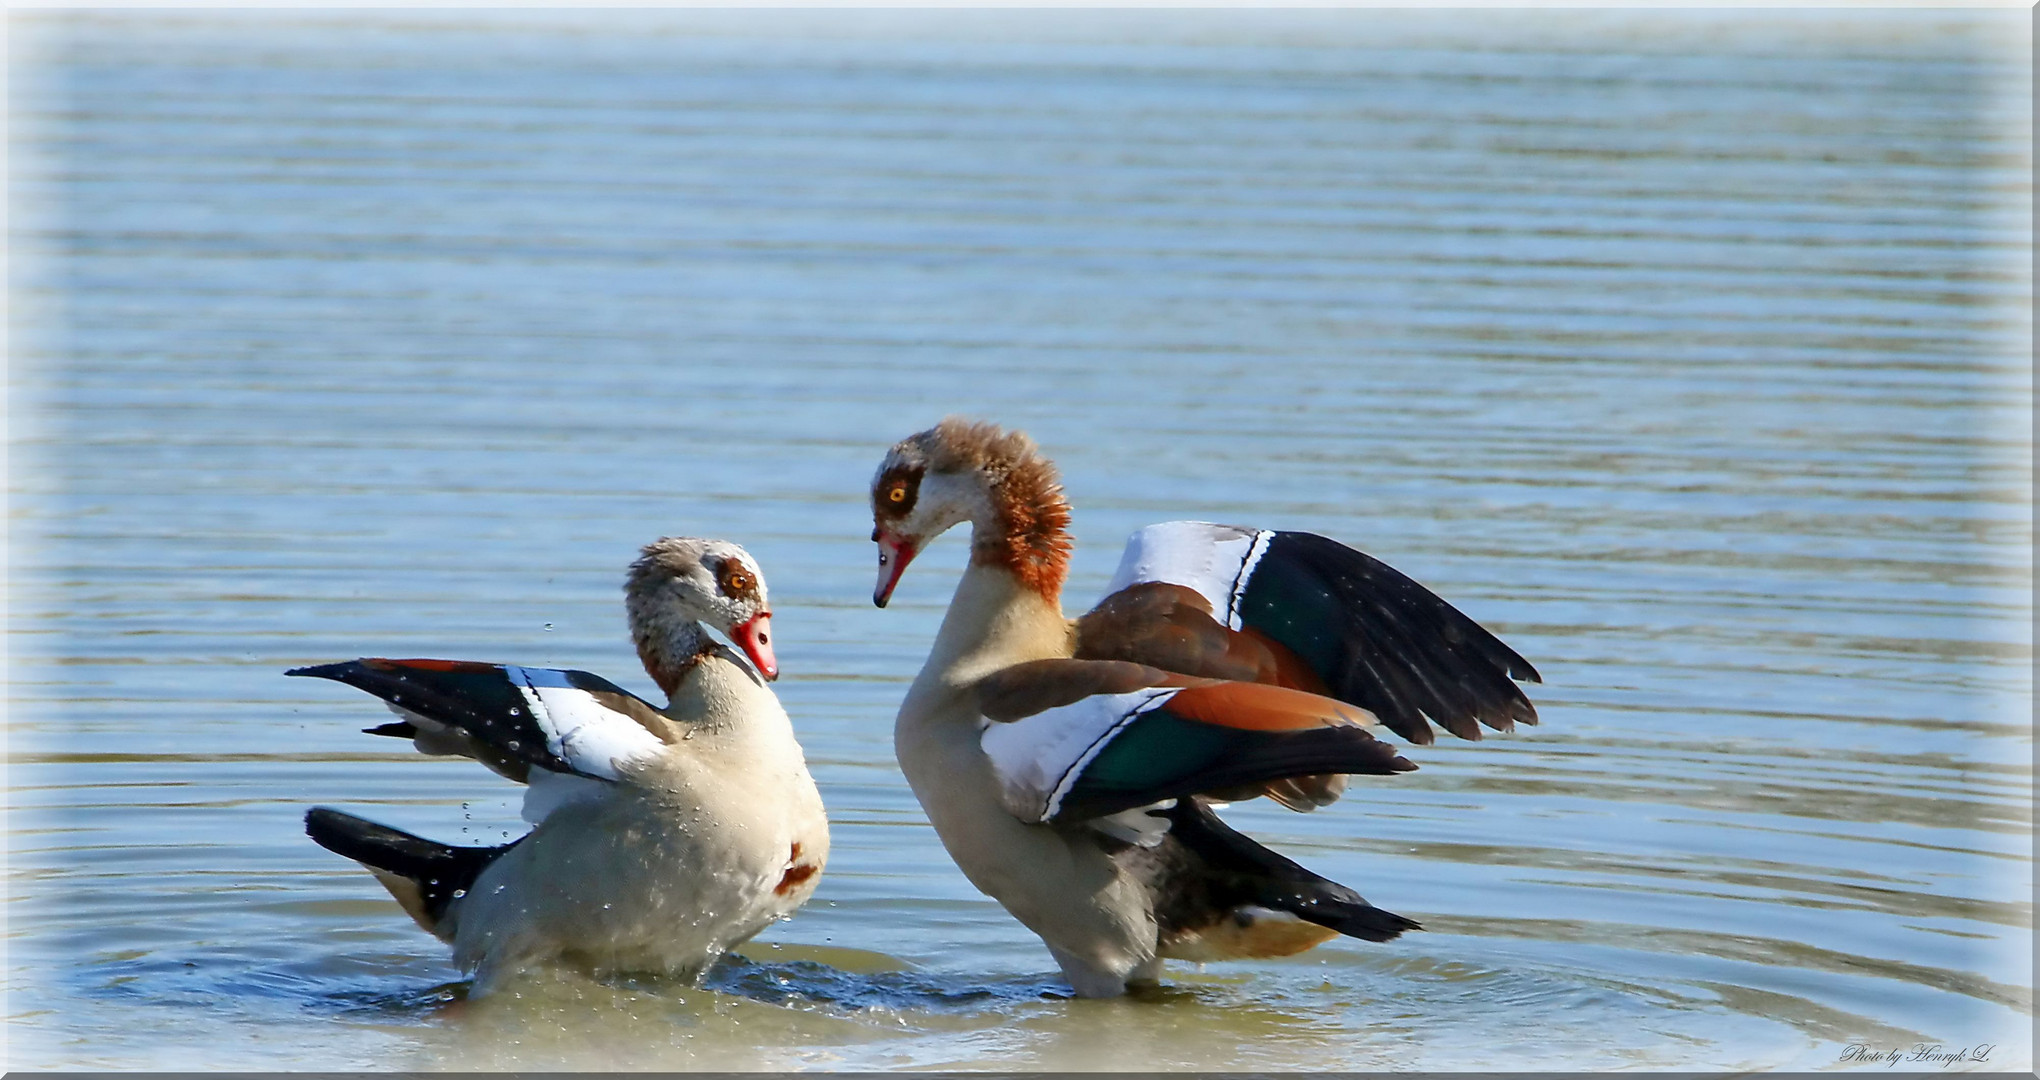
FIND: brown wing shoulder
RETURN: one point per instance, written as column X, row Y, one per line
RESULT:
column 637, row 709
column 1038, row 685
column 1171, row 627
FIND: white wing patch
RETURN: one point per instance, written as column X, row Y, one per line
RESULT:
column 1142, row 825
column 1038, row 759
column 583, row 732
column 1215, row 560
column 434, row 738
column 547, row 791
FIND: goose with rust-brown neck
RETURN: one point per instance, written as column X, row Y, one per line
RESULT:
column 1007, row 610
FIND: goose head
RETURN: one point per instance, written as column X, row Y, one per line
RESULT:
column 680, row 582
column 960, row 471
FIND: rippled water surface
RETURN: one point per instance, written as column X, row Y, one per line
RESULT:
column 1687, row 352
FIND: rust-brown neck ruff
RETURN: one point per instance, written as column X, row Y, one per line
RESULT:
column 1029, row 534
column 1032, row 538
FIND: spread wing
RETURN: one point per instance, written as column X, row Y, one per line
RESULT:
column 1079, row 740
column 1299, row 610
column 512, row 719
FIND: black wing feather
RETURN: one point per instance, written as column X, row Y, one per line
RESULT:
column 476, row 698
column 441, row 871
column 1384, row 642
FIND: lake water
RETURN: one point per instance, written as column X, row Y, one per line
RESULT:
column 1688, row 352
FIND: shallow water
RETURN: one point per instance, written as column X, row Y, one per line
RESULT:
column 1687, row 352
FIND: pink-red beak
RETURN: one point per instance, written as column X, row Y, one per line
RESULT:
column 755, row 638
column 894, row 553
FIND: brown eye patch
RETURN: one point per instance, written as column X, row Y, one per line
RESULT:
column 894, row 494
column 736, row 582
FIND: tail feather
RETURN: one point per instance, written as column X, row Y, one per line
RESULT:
column 1353, row 918
column 1277, row 883
column 424, row 876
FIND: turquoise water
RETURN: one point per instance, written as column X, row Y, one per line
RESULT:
column 1690, row 353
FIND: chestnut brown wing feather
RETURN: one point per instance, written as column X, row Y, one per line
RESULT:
column 1169, row 626
column 1037, row 685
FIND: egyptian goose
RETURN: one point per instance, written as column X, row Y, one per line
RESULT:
column 661, row 837
column 1071, row 767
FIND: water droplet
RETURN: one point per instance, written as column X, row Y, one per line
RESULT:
column 458, row 893
column 548, row 626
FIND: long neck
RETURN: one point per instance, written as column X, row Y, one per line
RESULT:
column 670, row 646
column 996, row 618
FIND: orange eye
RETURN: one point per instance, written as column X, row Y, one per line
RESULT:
column 736, row 582
column 898, row 494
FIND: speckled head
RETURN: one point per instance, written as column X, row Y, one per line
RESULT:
column 682, row 579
